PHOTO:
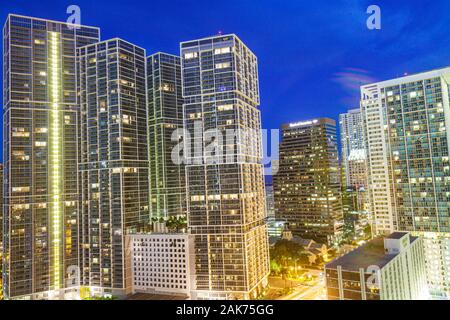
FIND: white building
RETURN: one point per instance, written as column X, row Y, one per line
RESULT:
column 374, row 126
column 392, row 268
column 160, row 263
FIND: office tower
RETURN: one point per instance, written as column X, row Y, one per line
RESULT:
column 352, row 143
column 350, row 210
column 353, row 155
column 226, row 202
column 113, row 159
column 165, row 117
column 161, row 263
column 40, row 152
column 417, row 140
column 390, row 268
column 307, row 186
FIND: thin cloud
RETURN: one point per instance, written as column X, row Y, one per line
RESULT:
column 351, row 79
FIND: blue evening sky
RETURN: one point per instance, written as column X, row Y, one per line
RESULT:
column 313, row 55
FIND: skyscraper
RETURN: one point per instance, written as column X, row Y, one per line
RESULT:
column 353, row 158
column 165, row 117
column 417, row 141
column 353, row 151
column 225, row 202
column 307, row 186
column 114, row 159
column 378, row 180
column 40, row 152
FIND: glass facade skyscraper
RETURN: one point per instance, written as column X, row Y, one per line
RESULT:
column 165, row 117
column 114, row 159
column 225, row 202
column 417, row 139
column 307, row 186
column 40, row 151
column 353, row 151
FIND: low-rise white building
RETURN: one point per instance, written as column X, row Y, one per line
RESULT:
column 392, row 268
column 161, row 263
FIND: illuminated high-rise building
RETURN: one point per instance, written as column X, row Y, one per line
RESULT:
column 353, row 151
column 41, row 154
column 307, row 186
column 379, row 192
column 165, row 117
column 114, row 160
column 415, row 147
column 353, row 155
column 225, row 201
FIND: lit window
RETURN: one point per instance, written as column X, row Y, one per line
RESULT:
column 167, row 87
column 191, row 55
column 40, row 144
column 41, row 130
column 20, row 189
column 21, row 134
column 225, row 107
column 223, row 65
column 222, row 50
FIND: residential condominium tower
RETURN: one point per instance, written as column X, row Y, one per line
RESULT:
column 225, row 202
column 307, row 186
column 40, row 151
column 417, row 141
column 378, row 181
column 114, row 160
column 165, row 117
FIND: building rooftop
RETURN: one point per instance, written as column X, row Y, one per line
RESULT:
column 371, row 254
column 396, row 235
column 308, row 123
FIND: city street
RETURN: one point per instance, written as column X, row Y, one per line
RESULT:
column 312, row 290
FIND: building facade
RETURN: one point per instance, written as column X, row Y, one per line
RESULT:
column 379, row 192
column 353, row 155
column 113, row 159
column 391, row 268
column 224, row 172
column 270, row 202
column 161, row 263
column 1, row 217
column 40, row 150
column 307, row 186
column 417, row 138
column 165, row 117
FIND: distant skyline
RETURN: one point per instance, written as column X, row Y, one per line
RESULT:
column 312, row 56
